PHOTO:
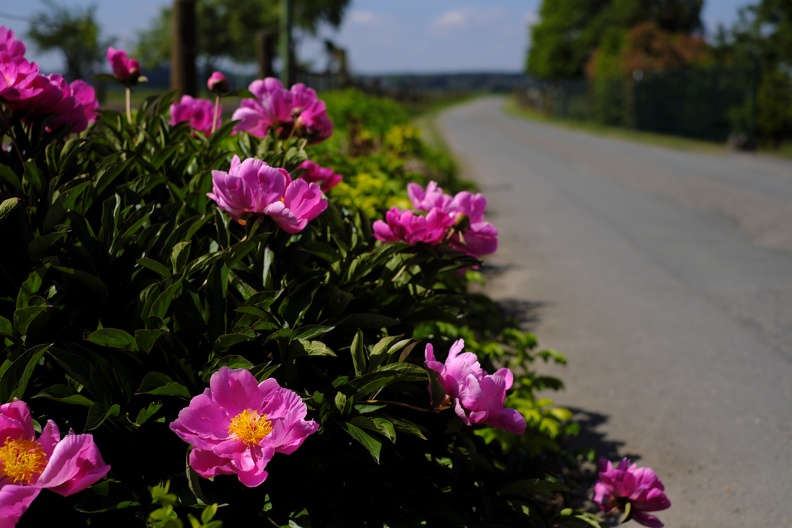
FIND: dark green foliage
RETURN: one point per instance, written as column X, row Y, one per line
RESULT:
column 570, row 30
column 123, row 289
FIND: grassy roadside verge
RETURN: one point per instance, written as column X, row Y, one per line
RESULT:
column 511, row 107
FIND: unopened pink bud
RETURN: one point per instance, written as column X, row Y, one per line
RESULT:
column 218, row 84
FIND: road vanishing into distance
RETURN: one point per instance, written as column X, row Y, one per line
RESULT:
column 665, row 276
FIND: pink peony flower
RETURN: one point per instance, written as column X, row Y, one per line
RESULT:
column 29, row 464
column 477, row 397
column 302, row 203
column 20, row 80
column 313, row 123
column 63, row 101
column 270, row 108
column 9, row 44
column 631, row 484
column 237, row 425
column 218, row 83
column 433, row 197
column 473, row 234
column 125, row 70
column 248, row 187
column 295, row 111
column 406, row 226
column 85, row 94
column 323, row 176
column 197, row 112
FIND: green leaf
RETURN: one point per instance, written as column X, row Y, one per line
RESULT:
column 7, row 207
column 358, row 350
column 159, row 384
column 64, row 394
column 341, row 403
column 33, row 176
column 7, row 174
column 14, row 380
column 179, row 256
column 113, row 338
column 316, row 348
column 310, row 331
column 160, row 269
column 146, row 339
column 379, row 425
column 6, row 328
column 98, row 413
column 148, row 412
column 371, row 444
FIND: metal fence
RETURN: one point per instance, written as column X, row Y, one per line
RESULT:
column 712, row 104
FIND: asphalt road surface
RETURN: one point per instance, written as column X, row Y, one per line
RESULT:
column 665, row 276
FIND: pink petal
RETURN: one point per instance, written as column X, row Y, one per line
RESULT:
column 235, row 390
column 14, row 501
column 75, row 464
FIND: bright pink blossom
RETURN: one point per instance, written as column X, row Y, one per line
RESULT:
column 62, row 101
column 309, row 114
column 472, row 234
column 20, row 80
column 9, row 44
column 197, row 112
column 237, row 425
column 85, row 94
column 631, row 484
column 248, row 187
column 125, row 69
column 217, row 83
column 29, row 464
column 297, row 111
column 406, row 226
column 253, row 187
column 323, row 176
column 477, row 397
column 271, row 107
column 432, row 197
column 301, row 203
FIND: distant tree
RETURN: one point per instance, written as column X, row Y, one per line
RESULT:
column 648, row 48
column 227, row 28
column 569, row 31
column 762, row 39
column 72, row 31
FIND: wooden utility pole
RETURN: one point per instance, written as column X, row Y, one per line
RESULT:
column 287, row 58
column 266, row 48
column 183, row 48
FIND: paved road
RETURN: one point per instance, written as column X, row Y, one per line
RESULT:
column 666, row 278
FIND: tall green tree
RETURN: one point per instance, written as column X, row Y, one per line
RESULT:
column 569, row 31
column 72, row 31
column 227, row 28
column 762, row 38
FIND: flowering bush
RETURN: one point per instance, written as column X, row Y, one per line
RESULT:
column 175, row 296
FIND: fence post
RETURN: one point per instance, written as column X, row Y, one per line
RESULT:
column 287, row 63
column 183, row 48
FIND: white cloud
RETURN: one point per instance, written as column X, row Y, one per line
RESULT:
column 531, row 19
column 364, row 18
column 465, row 18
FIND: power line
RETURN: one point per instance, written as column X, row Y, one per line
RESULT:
column 16, row 17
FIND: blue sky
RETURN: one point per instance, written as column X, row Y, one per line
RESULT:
column 382, row 36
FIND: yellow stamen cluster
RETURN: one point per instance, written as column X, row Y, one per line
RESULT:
column 21, row 459
column 250, row 427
